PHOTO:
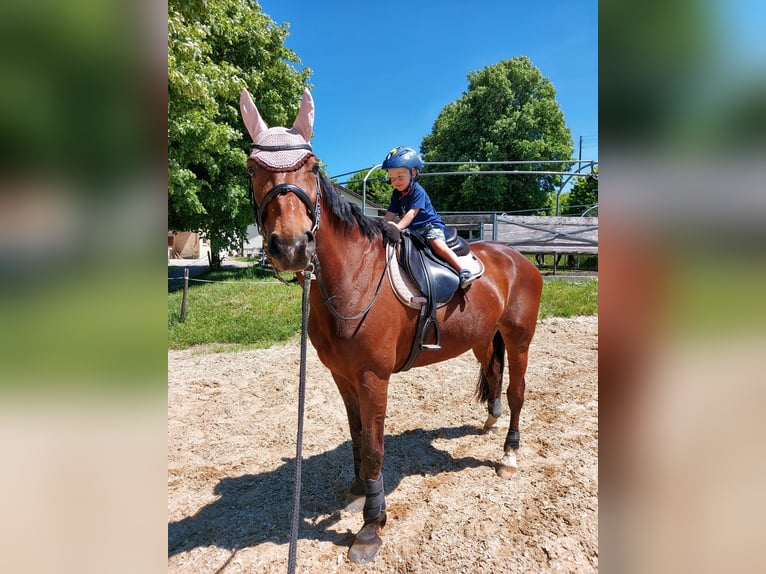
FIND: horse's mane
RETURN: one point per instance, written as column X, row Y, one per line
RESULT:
column 347, row 212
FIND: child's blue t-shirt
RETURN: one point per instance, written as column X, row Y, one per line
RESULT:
column 417, row 198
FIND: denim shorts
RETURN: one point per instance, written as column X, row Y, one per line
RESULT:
column 431, row 231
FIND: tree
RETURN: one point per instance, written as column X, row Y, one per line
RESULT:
column 584, row 194
column 509, row 112
column 216, row 48
column 378, row 189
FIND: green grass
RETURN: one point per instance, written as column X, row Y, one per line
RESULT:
column 249, row 308
column 569, row 298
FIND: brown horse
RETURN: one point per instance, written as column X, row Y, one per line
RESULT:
column 360, row 330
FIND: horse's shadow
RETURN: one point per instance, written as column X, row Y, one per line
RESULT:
column 257, row 508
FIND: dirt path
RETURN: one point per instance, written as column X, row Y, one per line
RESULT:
column 231, row 440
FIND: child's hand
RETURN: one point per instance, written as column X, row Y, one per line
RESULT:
column 391, row 233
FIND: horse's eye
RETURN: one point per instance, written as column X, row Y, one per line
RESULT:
column 315, row 169
column 251, row 171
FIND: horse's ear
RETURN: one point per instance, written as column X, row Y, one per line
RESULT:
column 304, row 123
column 253, row 122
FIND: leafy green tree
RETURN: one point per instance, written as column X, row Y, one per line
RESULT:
column 378, row 189
column 584, row 194
column 216, row 48
column 509, row 112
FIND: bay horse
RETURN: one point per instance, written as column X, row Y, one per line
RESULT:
column 360, row 330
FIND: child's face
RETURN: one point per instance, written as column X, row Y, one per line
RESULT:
column 400, row 177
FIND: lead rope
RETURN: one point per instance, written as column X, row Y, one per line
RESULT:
column 308, row 275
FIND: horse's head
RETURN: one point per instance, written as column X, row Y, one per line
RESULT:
column 285, row 187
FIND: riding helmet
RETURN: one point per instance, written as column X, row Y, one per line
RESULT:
column 403, row 156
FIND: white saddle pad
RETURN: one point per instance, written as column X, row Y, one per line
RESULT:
column 406, row 290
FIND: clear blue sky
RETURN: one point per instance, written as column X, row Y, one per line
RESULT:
column 382, row 71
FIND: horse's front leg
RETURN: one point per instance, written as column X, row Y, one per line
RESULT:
column 373, row 396
column 349, row 393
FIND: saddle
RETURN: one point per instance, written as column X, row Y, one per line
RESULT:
column 434, row 278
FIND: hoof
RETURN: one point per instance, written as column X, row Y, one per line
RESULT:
column 362, row 553
column 367, row 543
column 506, row 472
column 354, row 503
column 489, row 425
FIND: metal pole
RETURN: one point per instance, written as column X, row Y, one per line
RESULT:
column 510, row 162
column 364, row 187
column 504, row 172
column 590, row 163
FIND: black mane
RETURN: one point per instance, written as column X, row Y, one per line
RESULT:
column 347, row 212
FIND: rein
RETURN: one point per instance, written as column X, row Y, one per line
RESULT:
column 291, row 557
column 327, row 298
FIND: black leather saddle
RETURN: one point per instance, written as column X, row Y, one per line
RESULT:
column 435, row 279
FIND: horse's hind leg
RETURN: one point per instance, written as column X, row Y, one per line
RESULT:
column 518, row 347
column 490, row 384
column 494, row 412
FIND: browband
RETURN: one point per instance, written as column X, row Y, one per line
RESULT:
column 281, row 147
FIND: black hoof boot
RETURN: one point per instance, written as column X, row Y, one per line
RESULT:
column 368, row 542
column 512, row 440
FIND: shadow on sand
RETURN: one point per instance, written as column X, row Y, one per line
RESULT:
column 256, row 508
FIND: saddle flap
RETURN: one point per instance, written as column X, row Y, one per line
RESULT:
column 434, row 277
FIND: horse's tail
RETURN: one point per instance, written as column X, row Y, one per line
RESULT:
column 496, row 365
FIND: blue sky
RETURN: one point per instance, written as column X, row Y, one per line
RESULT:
column 382, row 72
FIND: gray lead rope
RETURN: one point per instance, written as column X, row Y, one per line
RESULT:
column 308, row 275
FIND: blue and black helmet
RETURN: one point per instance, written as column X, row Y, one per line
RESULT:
column 403, row 156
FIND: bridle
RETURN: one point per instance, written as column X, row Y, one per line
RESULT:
column 284, row 188
column 313, row 268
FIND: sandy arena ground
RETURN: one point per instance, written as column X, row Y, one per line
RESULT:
column 232, row 420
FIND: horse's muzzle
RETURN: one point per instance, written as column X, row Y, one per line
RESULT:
column 291, row 254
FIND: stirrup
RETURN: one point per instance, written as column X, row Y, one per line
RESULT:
column 466, row 278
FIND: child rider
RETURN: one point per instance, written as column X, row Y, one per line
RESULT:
column 413, row 206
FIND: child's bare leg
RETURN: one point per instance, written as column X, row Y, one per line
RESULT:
column 441, row 249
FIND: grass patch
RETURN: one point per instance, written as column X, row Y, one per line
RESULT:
column 569, row 298
column 248, row 308
column 244, row 307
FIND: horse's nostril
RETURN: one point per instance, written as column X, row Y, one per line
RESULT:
column 276, row 245
column 291, row 252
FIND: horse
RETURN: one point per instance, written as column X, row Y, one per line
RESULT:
column 361, row 332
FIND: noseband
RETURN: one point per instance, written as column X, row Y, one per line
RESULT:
column 282, row 189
